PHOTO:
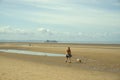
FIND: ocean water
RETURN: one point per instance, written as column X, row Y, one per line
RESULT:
column 84, row 42
column 31, row 52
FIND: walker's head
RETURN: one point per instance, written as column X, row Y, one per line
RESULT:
column 68, row 47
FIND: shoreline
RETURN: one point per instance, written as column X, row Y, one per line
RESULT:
column 72, row 43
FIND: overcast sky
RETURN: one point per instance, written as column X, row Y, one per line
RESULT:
column 64, row 20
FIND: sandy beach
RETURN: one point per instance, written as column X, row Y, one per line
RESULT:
column 99, row 62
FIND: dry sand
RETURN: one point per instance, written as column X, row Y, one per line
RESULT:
column 99, row 62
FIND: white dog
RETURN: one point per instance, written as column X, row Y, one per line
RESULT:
column 78, row 60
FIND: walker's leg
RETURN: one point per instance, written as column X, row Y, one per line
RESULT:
column 66, row 60
column 69, row 60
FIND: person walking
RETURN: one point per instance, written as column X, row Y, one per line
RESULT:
column 68, row 55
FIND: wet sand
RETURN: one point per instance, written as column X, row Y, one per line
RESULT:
column 99, row 62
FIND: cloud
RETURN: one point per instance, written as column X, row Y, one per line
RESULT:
column 43, row 30
column 102, row 36
column 76, row 16
column 59, row 12
column 41, row 33
column 10, row 30
column 65, row 17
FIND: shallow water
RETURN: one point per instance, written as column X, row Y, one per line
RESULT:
column 30, row 52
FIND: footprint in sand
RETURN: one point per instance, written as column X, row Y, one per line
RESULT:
column 2, row 74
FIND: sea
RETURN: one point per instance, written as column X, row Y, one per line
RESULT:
column 55, row 41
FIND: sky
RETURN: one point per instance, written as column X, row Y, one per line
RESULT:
column 62, row 20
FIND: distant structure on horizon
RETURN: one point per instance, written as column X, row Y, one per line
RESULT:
column 50, row 41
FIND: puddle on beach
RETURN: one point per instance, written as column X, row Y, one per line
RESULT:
column 31, row 52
